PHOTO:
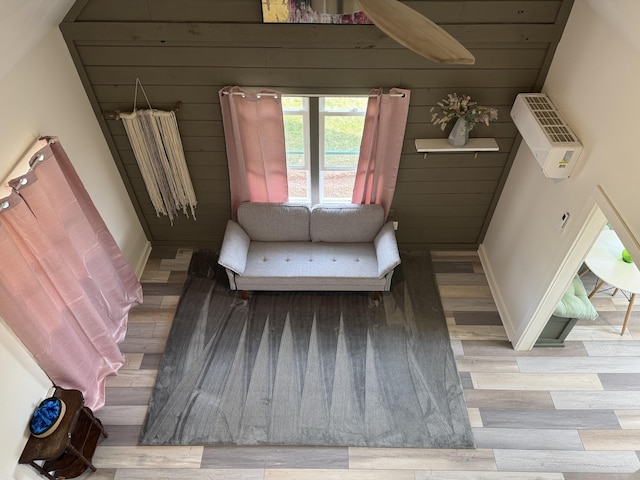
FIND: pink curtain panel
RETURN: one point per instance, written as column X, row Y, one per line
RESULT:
column 254, row 137
column 381, row 147
column 66, row 288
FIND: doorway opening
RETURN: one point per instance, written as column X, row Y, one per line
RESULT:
column 602, row 212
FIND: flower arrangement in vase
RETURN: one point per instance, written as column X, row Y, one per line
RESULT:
column 467, row 112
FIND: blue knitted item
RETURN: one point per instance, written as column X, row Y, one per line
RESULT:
column 46, row 415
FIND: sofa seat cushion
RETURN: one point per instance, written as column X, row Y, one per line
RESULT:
column 308, row 259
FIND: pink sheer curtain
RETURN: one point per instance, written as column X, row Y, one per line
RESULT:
column 381, row 147
column 66, row 289
column 254, row 136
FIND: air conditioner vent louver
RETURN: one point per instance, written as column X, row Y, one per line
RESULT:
column 550, row 139
column 554, row 127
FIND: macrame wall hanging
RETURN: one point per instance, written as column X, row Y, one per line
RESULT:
column 157, row 147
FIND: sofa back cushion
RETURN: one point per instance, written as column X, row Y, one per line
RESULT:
column 274, row 222
column 346, row 223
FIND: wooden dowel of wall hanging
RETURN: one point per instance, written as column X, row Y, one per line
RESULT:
column 115, row 114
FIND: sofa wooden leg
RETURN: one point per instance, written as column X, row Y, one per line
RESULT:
column 244, row 294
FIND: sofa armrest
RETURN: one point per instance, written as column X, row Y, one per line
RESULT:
column 386, row 249
column 235, row 246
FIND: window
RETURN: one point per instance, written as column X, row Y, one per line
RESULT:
column 322, row 136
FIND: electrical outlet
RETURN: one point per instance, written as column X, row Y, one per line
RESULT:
column 395, row 225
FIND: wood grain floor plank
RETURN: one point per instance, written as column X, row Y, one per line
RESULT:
column 628, row 419
column 348, row 474
column 459, row 266
column 621, row 348
column 509, row 399
column 596, row 400
column 456, row 346
column 132, row 378
column 143, row 344
column 465, row 291
column 121, row 435
column 170, row 302
column 140, row 329
column 155, row 276
column 477, row 332
column 610, row 439
column 567, row 461
column 487, row 364
column 151, row 315
column 579, row 365
column 477, row 318
column 275, row 457
column 554, row 419
column 596, row 476
column 598, row 332
column 190, row 474
column 132, row 361
column 528, row 438
column 148, row 457
column 478, row 475
column 536, row 381
column 475, row 419
column 123, row 415
column 102, row 474
column 151, row 361
column 503, row 347
column 420, row 459
column 178, row 264
column 468, row 304
column 150, row 302
column 461, row 279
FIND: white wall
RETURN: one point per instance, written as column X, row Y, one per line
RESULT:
column 42, row 95
column 593, row 81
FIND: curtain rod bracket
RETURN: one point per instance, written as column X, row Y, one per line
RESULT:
column 115, row 114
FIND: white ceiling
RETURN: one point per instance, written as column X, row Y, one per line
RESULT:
column 23, row 23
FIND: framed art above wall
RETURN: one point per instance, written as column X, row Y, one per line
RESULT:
column 302, row 11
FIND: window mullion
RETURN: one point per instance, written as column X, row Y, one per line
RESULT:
column 314, row 148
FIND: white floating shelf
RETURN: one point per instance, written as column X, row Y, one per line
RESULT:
column 443, row 145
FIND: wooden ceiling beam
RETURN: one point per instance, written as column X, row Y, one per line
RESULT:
column 269, row 35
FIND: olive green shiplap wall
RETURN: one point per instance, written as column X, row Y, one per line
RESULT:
column 186, row 51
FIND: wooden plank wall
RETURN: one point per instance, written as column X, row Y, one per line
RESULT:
column 186, row 51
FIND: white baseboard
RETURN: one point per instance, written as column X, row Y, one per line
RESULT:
column 142, row 260
column 495, row 292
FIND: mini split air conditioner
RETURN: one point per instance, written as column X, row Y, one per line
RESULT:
column 547, row 135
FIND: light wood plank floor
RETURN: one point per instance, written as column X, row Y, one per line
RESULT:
column 568, row 413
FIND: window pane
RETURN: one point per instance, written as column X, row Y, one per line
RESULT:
column 345, row 104
column 342, row 141
column 291, row 103
column 294, row 141
column 298, row 184
column 337, row 186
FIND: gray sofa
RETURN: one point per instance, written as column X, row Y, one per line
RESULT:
column 280, row 246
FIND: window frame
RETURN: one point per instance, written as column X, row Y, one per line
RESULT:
column 313, row 116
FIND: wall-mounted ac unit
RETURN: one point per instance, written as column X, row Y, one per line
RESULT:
column 547, row 135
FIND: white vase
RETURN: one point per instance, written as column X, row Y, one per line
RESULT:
column 460, row 133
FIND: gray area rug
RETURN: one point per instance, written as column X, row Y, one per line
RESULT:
column 309, row 368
